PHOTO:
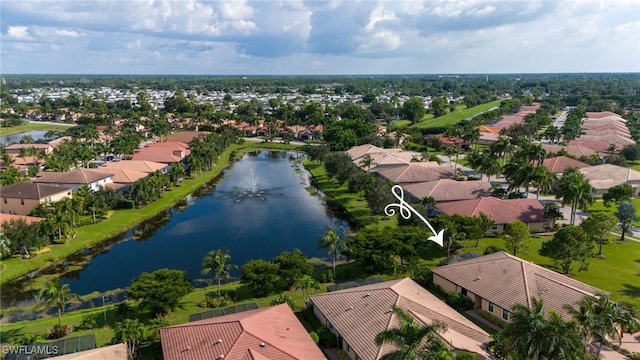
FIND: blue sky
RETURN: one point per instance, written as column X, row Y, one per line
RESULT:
column 242, row 37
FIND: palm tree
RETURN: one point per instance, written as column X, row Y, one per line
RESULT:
column 57, row 294
column 367, row 161
column 410, row 337
column 573, row 188
column 530, row 335
column 542, row 178
column 130, row 332
column 335, row 244
column 24, row 152
column 215, row 263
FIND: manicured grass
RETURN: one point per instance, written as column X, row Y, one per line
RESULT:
column 122, row 220
column 355, row 205
column 617, row 272
column 31, row 126
column 457, row 116
column 599, row 206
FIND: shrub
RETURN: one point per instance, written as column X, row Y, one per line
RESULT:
column 88, row 322
column 342, row 355
column 492, row 318
column 327, row 339
column 217, row 302
column 459, row 301
column 282, row 299
column 59, row 331
column 126, row 204
column 492, row 249
column 314, row 336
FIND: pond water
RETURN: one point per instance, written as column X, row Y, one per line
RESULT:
column 35, row 134
column 257, row 210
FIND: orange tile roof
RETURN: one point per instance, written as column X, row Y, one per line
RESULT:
column 500, row 211
column 161, row 154
column 139, row 165
column 267, row 333
column 416, row 172
column 484, row 128
column 449, row 189
column 558, row 164
column 28, row 219
column 75, row 176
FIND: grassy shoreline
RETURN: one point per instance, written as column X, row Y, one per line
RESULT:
column 123, row 220
column 4, row 131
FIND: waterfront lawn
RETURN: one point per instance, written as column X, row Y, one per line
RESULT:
column 31, row 126
column 122, row 220
column 616, row 272
column 456, row 116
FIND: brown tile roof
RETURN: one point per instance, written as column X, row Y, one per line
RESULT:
column 449, row 189
column 31, row 191
column 75, row 176
column 357, row 152
column 28, row 146
column 500, row 211
column 273, row 333
column 161, row 154
column 187, row 136
column 416, row 172
column 606, row 176
column 600, row 115
column 484, row 128
column 558, row 164
column 111, row 352
column 139, row 165
column 28, row 219
column 126, row 176
column 574, row 150
column 359, row 314
column 506, row 280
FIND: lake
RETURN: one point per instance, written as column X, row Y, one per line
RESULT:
column 258, row 209
column 35, row 134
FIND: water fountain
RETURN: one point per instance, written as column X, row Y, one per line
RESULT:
column 250, row 187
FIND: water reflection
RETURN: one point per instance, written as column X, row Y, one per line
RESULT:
column 209, row 219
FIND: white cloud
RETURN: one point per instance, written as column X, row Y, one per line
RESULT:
column 19, row 33
column 67, row 33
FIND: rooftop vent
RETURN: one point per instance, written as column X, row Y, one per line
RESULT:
column 478, row 278
column 219, row 341
column 220, row 357
column 367, row 294
column 262, row 344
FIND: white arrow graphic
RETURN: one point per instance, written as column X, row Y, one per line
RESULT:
column 405, row 211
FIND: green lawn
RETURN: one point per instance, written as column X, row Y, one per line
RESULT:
column 457, row 116
column 31, row 126
column 122, row 220
column 599, row 206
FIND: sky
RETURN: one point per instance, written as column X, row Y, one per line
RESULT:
column 318, row 37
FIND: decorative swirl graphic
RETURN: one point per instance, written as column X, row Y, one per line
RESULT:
column 405, row 210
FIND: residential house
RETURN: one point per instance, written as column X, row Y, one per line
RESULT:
column 186, row 136
column 8, row 218
column 15, row 148
column 502, row 212
column 163, row 152
column 558, row 164
column 415, row 173
column 138, row 165
column 268, row 333
column 124, row 178
column 498, row 281
column 109, row 352
column 357, row 315
column 76, row 178
column 605, row 176
column 573, row 150
column 448, row 190
column 22, row 197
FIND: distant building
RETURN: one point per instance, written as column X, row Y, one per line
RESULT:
column 21, row 198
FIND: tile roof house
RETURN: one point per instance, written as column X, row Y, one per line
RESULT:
column 76, row 178
column 163, row 152
column 15, row 148
column 268, row 333
column 357, row 315
column 415, row 173
column 138, row 165
column 498, row 281
column 186, row 136
column 21, row 198
column 10, row 217
column 110, row 352
column 605, row 176
column 573, row 150
column 557, row 164
column 448, row 190
column 502, row 212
